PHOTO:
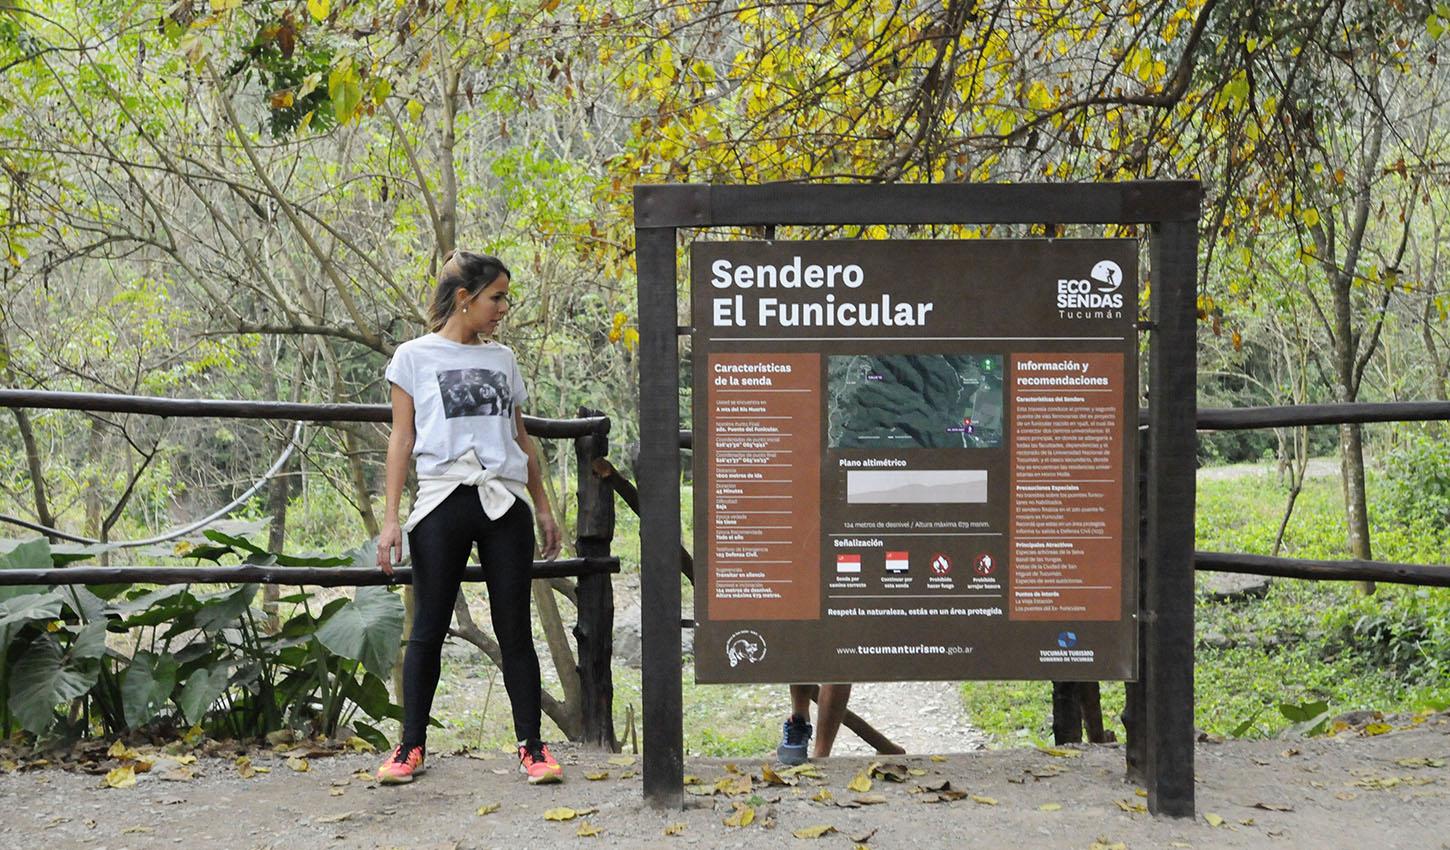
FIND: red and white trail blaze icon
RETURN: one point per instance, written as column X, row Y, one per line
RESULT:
column 941, row 564
column 848, row 563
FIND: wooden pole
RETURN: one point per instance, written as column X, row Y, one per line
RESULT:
column 659, row 413
column 594, row 601
column 1172, row 404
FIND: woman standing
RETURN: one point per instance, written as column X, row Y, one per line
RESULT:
column 456, row 396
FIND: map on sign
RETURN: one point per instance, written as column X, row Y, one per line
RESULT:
column 904, row 401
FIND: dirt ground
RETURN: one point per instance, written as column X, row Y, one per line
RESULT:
column 1353, row 791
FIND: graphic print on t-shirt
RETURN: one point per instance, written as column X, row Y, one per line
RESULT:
column 475, row 392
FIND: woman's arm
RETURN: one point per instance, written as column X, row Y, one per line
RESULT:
column 400, row 451
column 543, row 514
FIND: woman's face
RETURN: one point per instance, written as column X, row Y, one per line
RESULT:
column 487, row 306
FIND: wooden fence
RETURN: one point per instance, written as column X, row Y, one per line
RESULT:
column 594, row 593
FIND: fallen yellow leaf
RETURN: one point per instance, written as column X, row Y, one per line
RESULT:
column 597, row 775
column 822, row 796
column 814, row 831
column 768, row 774
column 180, row 774
column 1213, row 819
column 358, row 745
column 744, row 816
column 1274, row 807
column 587, row 830
column 622, row 761
column 119, row 750
column 1105, row 844
column 1059, row 752
column 1049, row 807
column 560, row 813
column 300, row 765
column 1378, row 728
column 986, row 801
column 734, row 785
column 488, row 809
column 674, row 829
column 938, row 759
column 861, row 783
column 121, row 777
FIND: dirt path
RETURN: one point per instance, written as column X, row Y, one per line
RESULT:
column 1387, row 791
column 1319, row 467
column 923, row 717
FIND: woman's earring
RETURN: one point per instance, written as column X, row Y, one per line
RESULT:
column 465, row 309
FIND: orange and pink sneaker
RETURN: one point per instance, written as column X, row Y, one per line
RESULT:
column 538, row 764
column 401, row 767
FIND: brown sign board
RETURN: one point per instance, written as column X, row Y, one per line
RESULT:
column 915, row 460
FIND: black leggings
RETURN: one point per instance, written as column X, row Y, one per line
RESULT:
column 440, row 544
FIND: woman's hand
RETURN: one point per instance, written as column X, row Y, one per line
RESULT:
column 548, row 534
column 390, row 546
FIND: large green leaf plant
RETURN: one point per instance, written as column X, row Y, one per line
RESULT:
column 109, row 659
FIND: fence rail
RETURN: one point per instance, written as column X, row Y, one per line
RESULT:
column 1347, row 570
column 275, row 410
column 314, row 576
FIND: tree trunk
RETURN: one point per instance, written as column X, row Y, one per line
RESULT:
column 95, row 527
column 1351, row 460
column 37, row 471
column 27, row 437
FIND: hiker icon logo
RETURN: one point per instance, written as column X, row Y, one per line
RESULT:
column 1108, row 275
column 745, row 647
column 941, row 564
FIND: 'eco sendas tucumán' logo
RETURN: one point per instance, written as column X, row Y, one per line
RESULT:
column 1099, row 296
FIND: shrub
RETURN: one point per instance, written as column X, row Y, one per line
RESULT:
column 200, row 659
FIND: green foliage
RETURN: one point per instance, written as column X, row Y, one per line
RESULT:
column 1416, row 489
column 201, row 659
column 1307, row 642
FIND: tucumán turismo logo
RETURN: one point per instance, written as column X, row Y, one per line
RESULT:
column 1098, row 296
column 745, row 647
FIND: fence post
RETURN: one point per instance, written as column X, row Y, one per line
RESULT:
column 1135, row 697
column 659, row 521
column 594, row 627
column 1168, row 581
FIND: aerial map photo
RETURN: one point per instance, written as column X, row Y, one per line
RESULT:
column 905, row 401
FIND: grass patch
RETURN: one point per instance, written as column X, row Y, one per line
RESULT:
column 1304, row 641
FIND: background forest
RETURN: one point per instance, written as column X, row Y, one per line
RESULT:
column 248, row 199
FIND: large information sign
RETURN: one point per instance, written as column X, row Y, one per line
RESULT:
column 914, row 460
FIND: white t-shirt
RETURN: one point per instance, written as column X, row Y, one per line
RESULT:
column 464, row 398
